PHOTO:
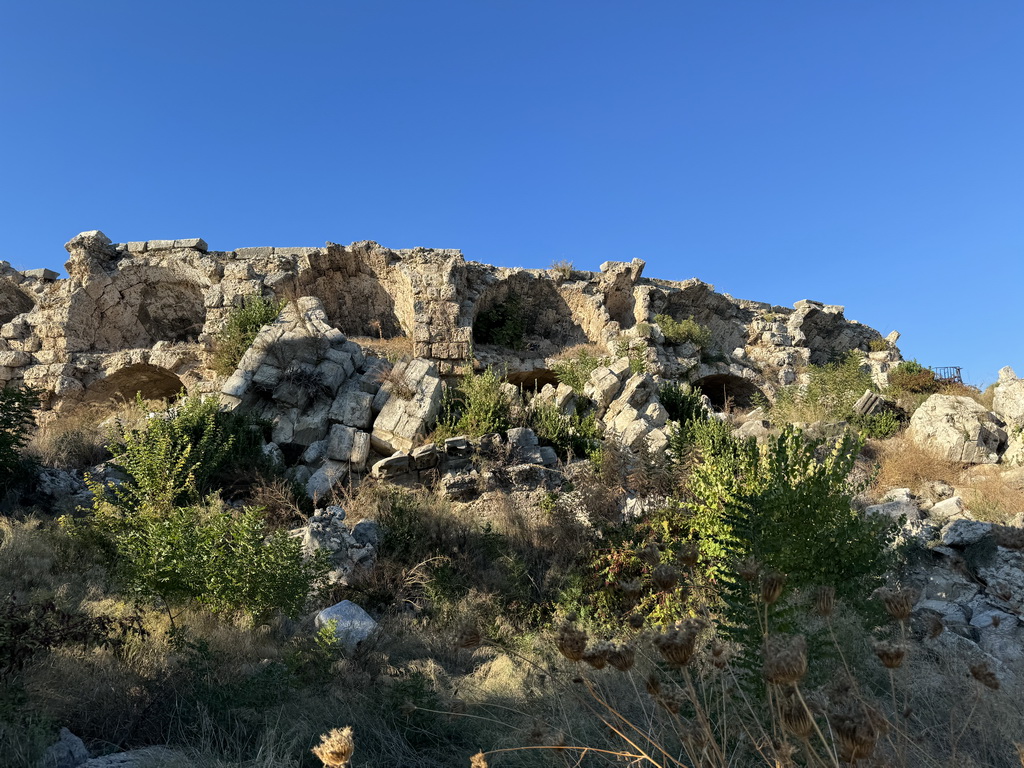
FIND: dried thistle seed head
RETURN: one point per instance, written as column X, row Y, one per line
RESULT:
column 984, row 675
column 336, row 748
column 571, row 642
column 457, row 707
column 653, row 684
column 631, row 588
column 858, row 727
column 890, row 654
column 785, row 659
column 635, row 620
column 478, row 761
column 749, row 570
column 825, row 601
column 677, row 644
column 688, row 556
column 720, row 655
column 622, row 656
column 795, row 717
column 407, row 708
column 597, row 654
column 665, row 577
column 771, row 586
column 650, row 554
column 671, row 700
column 934, row 625
column 898, row 602
column 469, row 637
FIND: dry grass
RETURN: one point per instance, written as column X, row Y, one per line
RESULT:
column 902, row 463
column 391, row 349
column 593, row 350
column 990, row 496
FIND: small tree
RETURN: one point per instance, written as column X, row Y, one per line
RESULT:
column 17, row 406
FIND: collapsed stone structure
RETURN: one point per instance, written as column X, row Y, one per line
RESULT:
column 140, row 317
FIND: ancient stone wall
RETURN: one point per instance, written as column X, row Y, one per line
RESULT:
column 142, row 316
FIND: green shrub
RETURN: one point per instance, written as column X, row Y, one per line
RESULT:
column 243, row 324
column 476, row 406
column 178, row 456
column 637, row 356
column 830, row 394
column 911, row 376
column 684, row 331
column 503, row 324
column 879, row 345
column 879, row 425
column 574, row 434
column 17, row 406
column 682, row 403
column 575, row 371
column 204, row 553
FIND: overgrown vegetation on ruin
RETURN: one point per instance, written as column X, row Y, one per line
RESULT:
column 240, row 329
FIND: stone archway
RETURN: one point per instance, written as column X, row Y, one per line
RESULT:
column 150, row 381
column 724, row 389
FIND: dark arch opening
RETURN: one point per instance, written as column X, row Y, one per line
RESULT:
column 533, row 380
column 13, row 302
column 724, row 389
column 150, row 381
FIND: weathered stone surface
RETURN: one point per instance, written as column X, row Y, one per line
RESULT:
column 340, row 442
column 1008, row 399
column 391, row 466
column 959, row 429
column 963, row 533
column 353, row 408
column 147, row 757
column 67, row 752
column 353, row 625
column 411, row 408
column 322, row 482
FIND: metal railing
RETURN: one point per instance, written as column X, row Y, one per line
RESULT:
column 948, row 374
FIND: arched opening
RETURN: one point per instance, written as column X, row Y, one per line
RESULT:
column 13, row 301
column 526, row 312
column 534, row 380
column 172, row 311
column 150, row 381
column 725, row 390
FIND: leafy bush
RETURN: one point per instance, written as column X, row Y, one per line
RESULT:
column 684, row 331
column 879, row 426
column 573, row 434
column 503, row 324
column 911, row 376
column 476, row 406
column 830, row 394
column 17, row 405
column 243, row 324
column 575, row 371
column 179, row 455
column 206, row 553
column 879, row 345
column 682, row 403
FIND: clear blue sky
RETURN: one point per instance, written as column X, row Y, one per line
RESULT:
column 865, row 153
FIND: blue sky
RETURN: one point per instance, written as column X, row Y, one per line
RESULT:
column 866, row 153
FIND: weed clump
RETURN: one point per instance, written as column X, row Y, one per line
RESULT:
column 243, row 324
column 687, row 331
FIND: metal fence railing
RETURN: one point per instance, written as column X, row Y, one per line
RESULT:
column 948, row 374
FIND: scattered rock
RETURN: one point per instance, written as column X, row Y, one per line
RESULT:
column 353, row 624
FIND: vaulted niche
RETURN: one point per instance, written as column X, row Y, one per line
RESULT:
column 525, row 312
column 724, row 388
column 150, row 381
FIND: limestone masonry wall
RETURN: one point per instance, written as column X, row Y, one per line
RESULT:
column 142, row 316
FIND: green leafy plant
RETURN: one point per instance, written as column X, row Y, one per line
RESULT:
column 17, row 407
column 243, row 324
column 831, row 392
column 684, row 331
column 911, row 376
column 682, row 403
column 573, row 434
column 575, row 371
column 504, row 323
column 204, row 553
column 879, row 425
column 179, row 455
column 477, row 405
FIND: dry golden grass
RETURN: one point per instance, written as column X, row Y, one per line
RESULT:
column 594, row 350
column 392, row 349
column 989, row 496
column 902, row 463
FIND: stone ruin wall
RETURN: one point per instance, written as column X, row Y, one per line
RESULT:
column 142, row 316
